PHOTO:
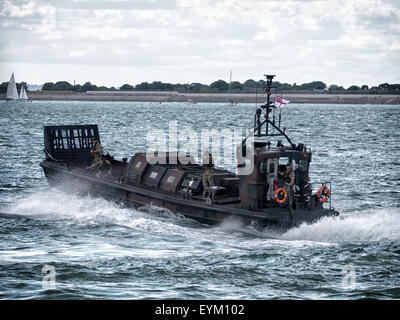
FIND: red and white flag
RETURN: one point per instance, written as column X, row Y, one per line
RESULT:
column 280, row 102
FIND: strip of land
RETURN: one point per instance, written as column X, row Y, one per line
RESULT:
column 169, row 96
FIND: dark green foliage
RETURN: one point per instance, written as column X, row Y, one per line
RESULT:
column 333, row 87
column 126, row 87
column 142, row 86
column 315, row 85
column 249, row 86
column 4, row 85
column 389, row 87
column 62, row 86
column 220, row 85
column 236, row 85
column 48, row 86
column 89, row 87
column 281, row 86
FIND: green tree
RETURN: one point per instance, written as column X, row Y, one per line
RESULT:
column 384, row 86
column 62, row 86
column 262, row 83
column 220, row 85
column 236, row 85
column 160, row 86
column 315, row 85
column 281, row 86
column 48, row 86
column 3, row 87
column 126, row 87
column 333, row 87
column 197, row 87
column 142, row 86
column 250, row 83
column 89, row 87
column 354, row 87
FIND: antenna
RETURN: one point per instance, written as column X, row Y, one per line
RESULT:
column 268, row 107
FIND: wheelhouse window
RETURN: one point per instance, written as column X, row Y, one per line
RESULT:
column 283, row 161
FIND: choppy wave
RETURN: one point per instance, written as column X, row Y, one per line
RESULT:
column 56, row 205
column 82, row 211
column 374, row 225
column 103, row 249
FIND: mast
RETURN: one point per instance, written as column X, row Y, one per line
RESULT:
column 230, row 82
column 23, row 95
column 12, row 92
column 268, row 107
column 229, row 99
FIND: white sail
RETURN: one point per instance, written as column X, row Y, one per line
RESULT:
column 23, row 95
column 12, row 92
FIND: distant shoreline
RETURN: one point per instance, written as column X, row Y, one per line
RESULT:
column 162, row 96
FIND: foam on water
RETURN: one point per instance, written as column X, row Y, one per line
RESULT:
column 85, row 210
column 104, row 250
column 376, row 225
column 56, row 205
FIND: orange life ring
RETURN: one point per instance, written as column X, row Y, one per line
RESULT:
column 280, row 195
column 323, row 194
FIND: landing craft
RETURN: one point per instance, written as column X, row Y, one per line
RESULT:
column 255, row 195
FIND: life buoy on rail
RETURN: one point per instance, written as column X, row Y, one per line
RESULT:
column 280, row 195
column 323, row 194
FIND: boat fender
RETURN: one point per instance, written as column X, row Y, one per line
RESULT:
column 280, row 195
column 323, row 194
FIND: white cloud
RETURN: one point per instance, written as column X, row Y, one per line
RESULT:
column 196, row 40
column 78, row 53
column 17, row 11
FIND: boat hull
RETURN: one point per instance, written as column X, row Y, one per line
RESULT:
column 108, row 187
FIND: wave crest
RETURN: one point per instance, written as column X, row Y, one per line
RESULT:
column 373, row 225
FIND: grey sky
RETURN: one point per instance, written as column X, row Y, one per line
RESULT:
column 116, row 42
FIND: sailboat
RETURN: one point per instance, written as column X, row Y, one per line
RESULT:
column 189, row 101
column 12, row 92
column 23, row 96
column 230, row 101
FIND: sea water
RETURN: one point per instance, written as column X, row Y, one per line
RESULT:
column 55, row 245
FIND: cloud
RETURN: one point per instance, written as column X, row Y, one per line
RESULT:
column 78, row 53
column 201, row 40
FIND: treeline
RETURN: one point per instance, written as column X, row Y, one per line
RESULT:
column 4, row 85
column 219, row 86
